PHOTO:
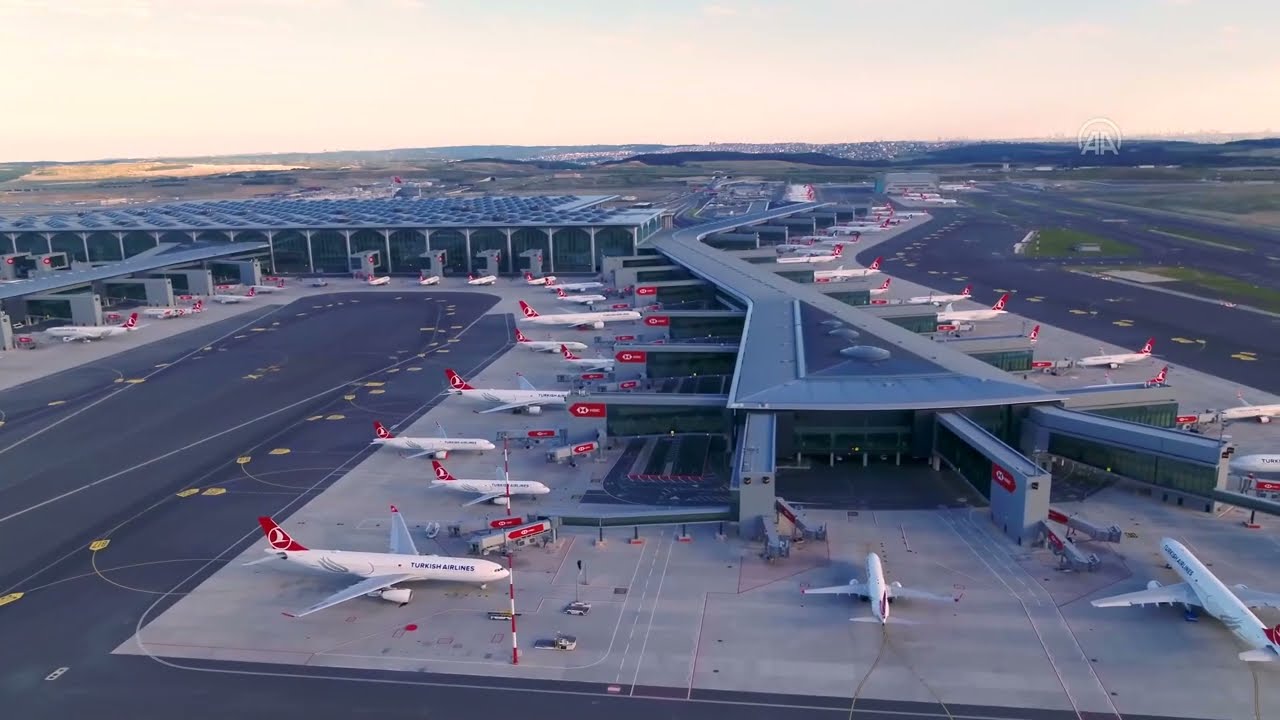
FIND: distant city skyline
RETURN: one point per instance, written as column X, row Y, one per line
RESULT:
column 95, row 79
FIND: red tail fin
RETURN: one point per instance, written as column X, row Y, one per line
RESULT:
column 568, row 355
column 520, row 336
column 885, row 286
column 839, row 250
column 1160, row 377
column 559, row 292
column 278, row 538
column 456, row 382
column 253, row 291
column 1273, row 634
column 1004, row 300
column 198, row 306
column 442, row 474
column 1151, row 345
column 875, row 264
column 528, row 311
column 528, row 275
column 132, row 322
column 280, row 283
column 1035, row 333
column 381, row 431
column 967, row 291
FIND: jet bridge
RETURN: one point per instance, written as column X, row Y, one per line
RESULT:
column 533, row 262
column 797, row 524
column 774, row 546
column 7, row 340
column 434, row 263
column 487, row 262
column 751, row 488
column 1069, row 554
column 1075, row 523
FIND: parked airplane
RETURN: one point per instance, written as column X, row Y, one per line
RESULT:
column 481, row 279
column 576, row 287
column 876, row 590
column 544, row 280
column 1244, row 411
column 594, row 320
column 835, row 254
column 278, row 285
column 546, row 345
column 860, row 228
column 950, row 314
column 425, row 279
column 1255, row 464
column 884, row 287
column 435, row 447
column 940, row 298
column 1115, row 361
column 581, row 299
column 939, row 200
column 227, row 299
column 528, row 398
column 384, row 280
column 588, row 364
column 1201, row 588
column 494, row 491
column 166, row 313
column 89, row 333
column 841, row 273
column 381, row 571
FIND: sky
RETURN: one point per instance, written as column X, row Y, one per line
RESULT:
column 89, row 79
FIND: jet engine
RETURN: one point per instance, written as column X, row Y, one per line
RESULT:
column 533, row 410
column 399, row 596
column 499, row 500
column 1264, row 419
column 1154, row 585
column 440, row 455
column 597, row 325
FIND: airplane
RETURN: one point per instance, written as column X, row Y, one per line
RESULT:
column 546, row 345
column 875, row 588
column 279, row 285
column 859, row 229
column 87, row 334
column 1201, row 588
column 435, row 447
column 939, row 200
column 1244, row 411
column 375, row 281
column 544, row 280
column 226, row 299
column 884, row 287
column 588, row 364
column 1115, row 361
column 841, row 273
column 528, row 398
column 881, row 208
column 594, row 320
column 574, row 287
column 425, row 279
column 950, row 314
column 939, row 299
column 835, row 254
column 582, row 299
column 481, row 279
column 166, row 313
column 381, row 571
column 494, row 491
column 1255, row 464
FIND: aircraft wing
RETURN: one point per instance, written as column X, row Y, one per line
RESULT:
column 853, row 588
column 364, row 587
column 1256, row 598
column 911, row 594
column 508, row 406
column 1177, row 593
column 525, row 384
column 483, row 498
column 401, row 539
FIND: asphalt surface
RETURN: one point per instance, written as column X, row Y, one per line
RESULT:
column 1205, row 336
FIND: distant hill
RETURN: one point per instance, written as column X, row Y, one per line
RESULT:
column 539, row 164
column 677, row 159
column 1131, row 153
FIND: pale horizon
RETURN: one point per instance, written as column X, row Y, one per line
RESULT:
column 171, row 78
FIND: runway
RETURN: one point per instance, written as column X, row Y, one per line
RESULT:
column 1204, row 336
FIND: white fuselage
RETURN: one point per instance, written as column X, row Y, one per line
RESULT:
column 1255, row 464
column 879, row 290
column 851, row 229
column 422, row 567
column 1113, row 360
column 940, row 201
column 435, row 444
column 266, row 288
column 551, row 345
column 843, row 274
column 934, row 299
column 505, row 397
column 823, row 258
column 71, row 332
column 429, row 280
column 601, row 364
column 490, row 487
column 579, row 287
column 589, row 318
column 165, row 313
column 1216, row 598
column 583, row 299
column 1249, row 412
column 380, row 280
column 541, row 280
column 950, row 316
column 877, row 590
column 228, row 299
column 486, row 280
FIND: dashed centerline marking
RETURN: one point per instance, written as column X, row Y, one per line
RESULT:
column 413, row 369
column 374, row 384
column 56, row 403
column 348, row 397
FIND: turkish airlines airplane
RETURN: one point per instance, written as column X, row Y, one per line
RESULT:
column 939, row 200
column 1157, row 381
column 876, row 590
column 575, row 287
column 859, row 229
column 279, row 285
column 435, row 447
column 546, row 345
column 950, row 314
column 528, row 398
column 381, row 571
column 835, row 254
column 1244, row 411
column 589, row 364
column 544, row 280
column 425, row 279
column 100, row 332
column 594, row 320
column 940, row 298
column 1201, row 588
column 481, row 279
column 1255, row 464
column 494, row 491
column 841, row 273
column 375, row 281
column 229, row 299
column 581, row 299
column 1115, row 361
column 167, row 313
column 884, row 287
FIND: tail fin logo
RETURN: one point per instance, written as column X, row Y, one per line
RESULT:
column 528, row 311
column 132, row 322
column 441, row 472
column 1004, row 300
column 456, row 382
column 1035, row 333
column 559, row 292
column 1146, row 349
column 198, row 306
column 967, row 291
column 875, row 265
column 520, row 336
column 277, row 537
column 381, row 431
column 1273, row 634
column 1161, row 376
column 885, row 286
column 253, row 291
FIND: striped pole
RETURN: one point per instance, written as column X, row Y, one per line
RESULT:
column 511, row 583
column 506, row 470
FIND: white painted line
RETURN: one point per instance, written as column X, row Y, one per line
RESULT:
column 56, row 673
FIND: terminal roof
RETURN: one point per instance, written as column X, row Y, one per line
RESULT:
column 786, row 363
column 62, row 279
column 278, row 214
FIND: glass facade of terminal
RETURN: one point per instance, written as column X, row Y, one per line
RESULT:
column 663, row 275
column 43, row 310
column 850, row 433
column 916, row 323
column 675, row 294
column 571, row 251
column 631, row 420
column 686, row 364
column 1162, row 415
column 971, row 464
column 1164, row 472
column 684, row 328
column 1008, row 360
column 851, row 297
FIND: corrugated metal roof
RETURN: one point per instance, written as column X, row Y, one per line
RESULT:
column 770, row 373
column 63, row 279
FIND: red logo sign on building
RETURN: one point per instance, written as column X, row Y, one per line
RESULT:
column 879, row 301
column 946, row 328
column 1266, row 486
column 1041, row 364
column 587, row 410
column 1058, row 517
column 542, row 433
column 584, row 448
column 823, row 280
column 624, row 338
column 1003, row 478
column 524, row 532
column 628, row 384
column 657, row 321
column 648, row 290
column 505, row 522
column 592, row 376
column 1187, row 419
column 47, row 261
column 620, row 306
column 631, row 356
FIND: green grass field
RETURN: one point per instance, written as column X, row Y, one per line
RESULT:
column 1058, row 243
column 1201, row 239
column 1265, row 298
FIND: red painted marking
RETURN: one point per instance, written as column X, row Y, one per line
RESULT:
column 1041, row 364
column 1058, row 517
column 593, row 376
column 823, row 280
column 1266, row 485
column 879, row 301
column 628, row 384
column 47, row 261
column 410, row 627
column 585, row 410
column 947, row 328
column 646, row 291
column 505, row 522
column 1184, row 419
column 1003, row 478
column 620, row 306
column 584, row 448
column 624, row 338
column 631, row 356
column 657, row 321
column 535, row 529
column 542, row 433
